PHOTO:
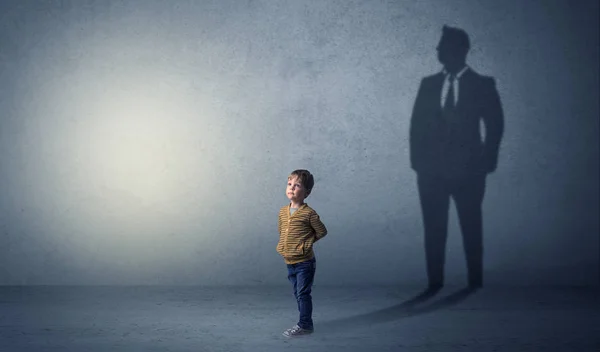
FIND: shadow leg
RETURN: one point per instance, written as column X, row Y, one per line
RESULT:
column 468, row 197
column 435, row 202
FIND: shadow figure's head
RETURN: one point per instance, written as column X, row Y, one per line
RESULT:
column 453, row 48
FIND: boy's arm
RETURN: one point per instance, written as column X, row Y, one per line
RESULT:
column 318, row 226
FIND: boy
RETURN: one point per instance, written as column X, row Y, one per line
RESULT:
column 299, row 228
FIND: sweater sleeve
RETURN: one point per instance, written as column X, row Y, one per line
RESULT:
column 318, row 226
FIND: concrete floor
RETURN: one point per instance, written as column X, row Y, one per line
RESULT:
column 347, row 319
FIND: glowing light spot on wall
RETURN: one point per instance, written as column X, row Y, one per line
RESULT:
column 131, row 147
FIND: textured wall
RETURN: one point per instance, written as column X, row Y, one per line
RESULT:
column 148, row 142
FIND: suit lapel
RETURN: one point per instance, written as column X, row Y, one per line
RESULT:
column 465, row 90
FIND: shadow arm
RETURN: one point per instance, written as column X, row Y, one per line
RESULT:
column 493, row 119
column 416, row 132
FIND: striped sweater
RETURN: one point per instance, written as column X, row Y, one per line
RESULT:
column 298, row 233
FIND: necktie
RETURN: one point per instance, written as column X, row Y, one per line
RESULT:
column 449, row 103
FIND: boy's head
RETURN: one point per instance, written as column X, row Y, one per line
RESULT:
column 299, row 185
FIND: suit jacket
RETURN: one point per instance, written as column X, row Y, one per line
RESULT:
column 453, row 145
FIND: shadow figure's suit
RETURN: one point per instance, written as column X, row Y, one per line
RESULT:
column 451, row 159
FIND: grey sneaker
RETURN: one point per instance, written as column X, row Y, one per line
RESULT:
column 297, row 331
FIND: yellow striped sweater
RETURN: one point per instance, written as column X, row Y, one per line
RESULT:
column 298, row 232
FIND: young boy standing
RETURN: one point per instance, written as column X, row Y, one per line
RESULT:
column 299, row 228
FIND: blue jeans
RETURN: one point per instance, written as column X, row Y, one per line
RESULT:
column 302, row 276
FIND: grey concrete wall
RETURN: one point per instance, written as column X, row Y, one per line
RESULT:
column 148, row 142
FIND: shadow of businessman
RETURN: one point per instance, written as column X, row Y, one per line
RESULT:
column 450, row 156
column 406, row 309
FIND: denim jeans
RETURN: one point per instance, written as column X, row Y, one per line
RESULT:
column 302, row 276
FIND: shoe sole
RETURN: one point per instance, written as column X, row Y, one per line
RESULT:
column 304, row 334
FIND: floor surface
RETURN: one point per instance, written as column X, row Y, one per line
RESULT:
column 89, row 319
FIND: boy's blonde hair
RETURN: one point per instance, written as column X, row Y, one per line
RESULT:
column 305, row 177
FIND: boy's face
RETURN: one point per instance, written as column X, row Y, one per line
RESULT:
column 295, row 190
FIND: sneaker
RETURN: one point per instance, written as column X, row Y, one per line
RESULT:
column 297, row 331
